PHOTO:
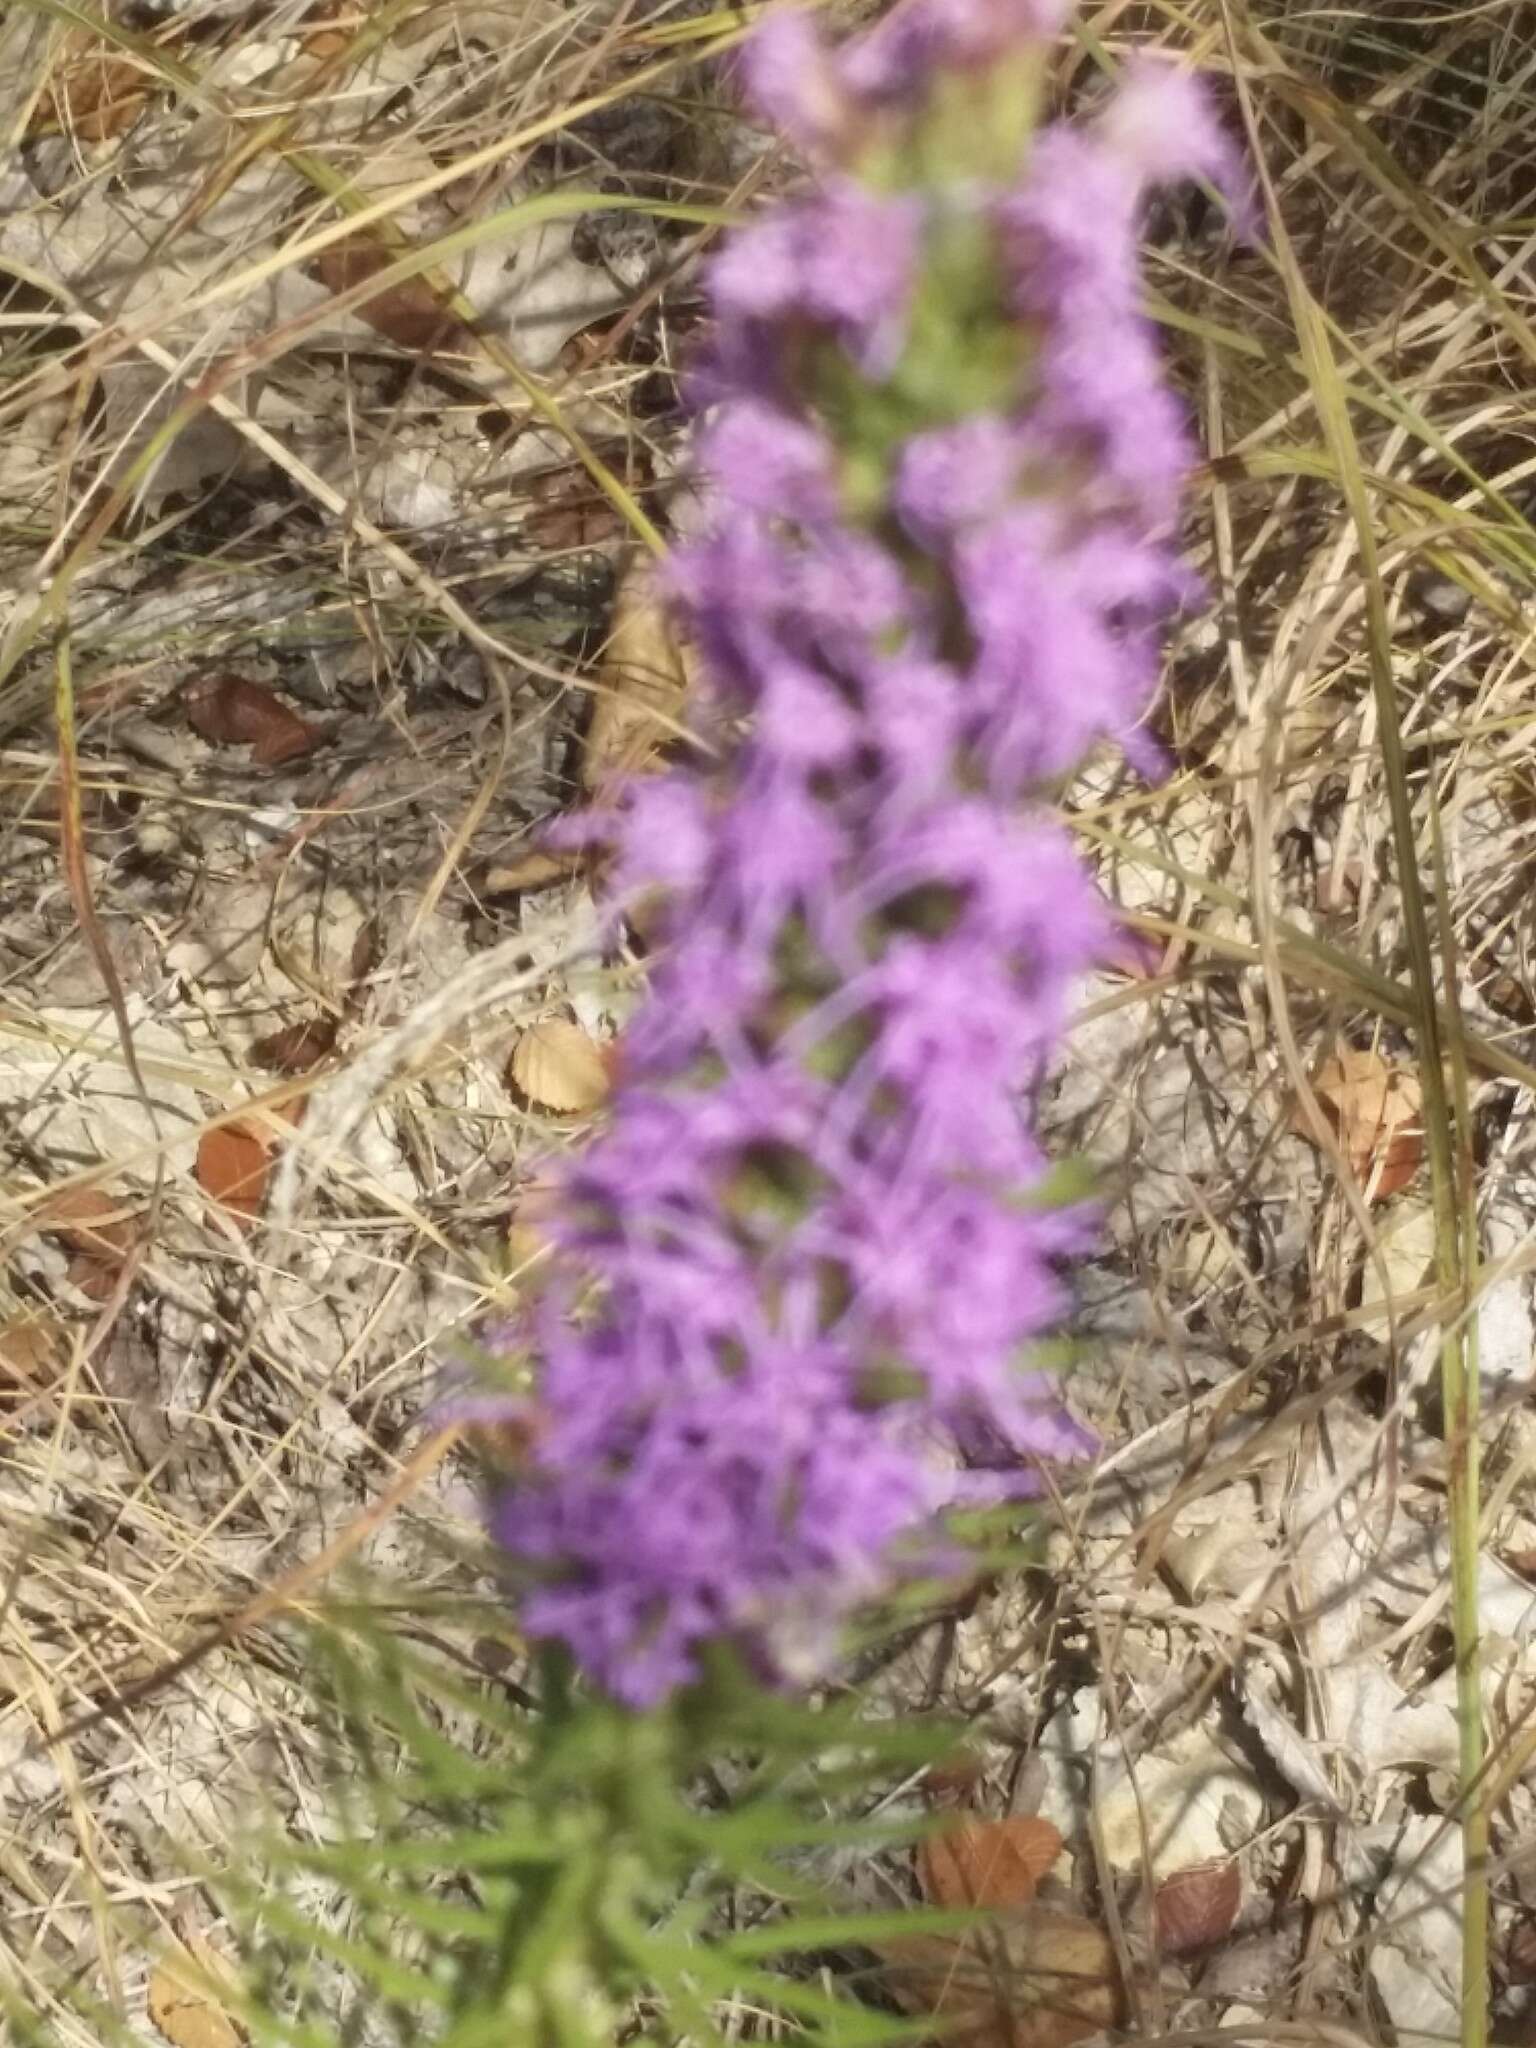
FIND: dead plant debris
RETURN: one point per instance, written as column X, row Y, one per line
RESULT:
column 558, row 1066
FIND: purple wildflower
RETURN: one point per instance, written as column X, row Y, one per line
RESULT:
column 771, row 462
column 792, row 81
column 954, row 477
column 896, row 61
column 844, row 261
column 801, row 1271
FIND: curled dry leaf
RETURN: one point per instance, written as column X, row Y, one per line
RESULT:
column 641, row 686
column 1195, row 1908
column 190, row 1991
column 234, row 1164
column 557, row 1066
column 233, row 711
column 297, row 1047
column 1376, row 1109
column 533, row 870
column 1029, row 1978
column 977, row 1862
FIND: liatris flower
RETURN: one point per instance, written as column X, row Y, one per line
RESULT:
column 803, row 1268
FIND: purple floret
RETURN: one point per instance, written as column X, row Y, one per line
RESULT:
column 802, row 1271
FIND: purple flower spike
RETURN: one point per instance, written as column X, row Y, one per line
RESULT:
column 766, row 460
column 895, row 62
column 954, row 477
column 844, row 261
column 803, row 1271
column 792, row 82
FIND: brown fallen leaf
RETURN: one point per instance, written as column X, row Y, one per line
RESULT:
column 1032, row 1977
column 532, row 870
column 558, row 1066
column 235, row 1162
column 38, row 804
column 99, row 1229
column 94, row 92
column 1376, row 1110
column 92, row 1222
column 94, row 1278
column 32, row 1354
column 953, row 1778
column 297, row 1047
column 324, row 34
column 409, row 314
column 188, row 1995
column 233, row 711
column 975, row 1862
column 569, row 511
column 1194, row 1908
column 641, row 686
